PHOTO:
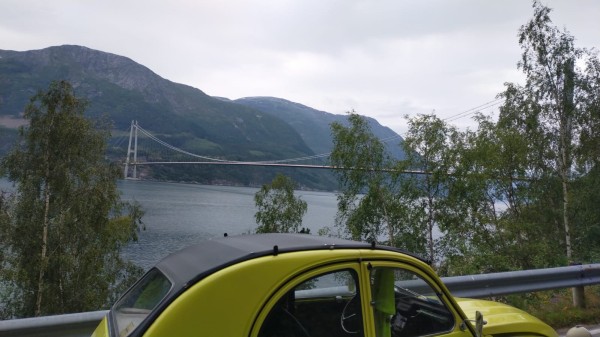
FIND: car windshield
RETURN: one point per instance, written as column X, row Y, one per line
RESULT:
column 139, row 301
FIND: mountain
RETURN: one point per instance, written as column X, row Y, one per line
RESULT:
column 249, row 129
column 126, row 91
column 314, row 125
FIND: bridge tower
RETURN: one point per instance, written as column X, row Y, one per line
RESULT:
column 133, row 136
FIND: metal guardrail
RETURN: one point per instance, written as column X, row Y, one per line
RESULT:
column 67, row 325
column 473, row 286
column 523, row 281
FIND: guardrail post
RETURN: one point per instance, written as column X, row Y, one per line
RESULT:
column 578, row 297
column 578, row 292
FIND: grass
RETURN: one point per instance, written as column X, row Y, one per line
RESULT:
column 556, row 307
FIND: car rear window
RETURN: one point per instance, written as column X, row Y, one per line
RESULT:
column 131, row 310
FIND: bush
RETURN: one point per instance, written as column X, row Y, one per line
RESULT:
column 556, row 307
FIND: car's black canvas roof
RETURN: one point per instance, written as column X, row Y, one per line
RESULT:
column 196, row 261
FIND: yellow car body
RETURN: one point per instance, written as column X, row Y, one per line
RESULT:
column 301, row 285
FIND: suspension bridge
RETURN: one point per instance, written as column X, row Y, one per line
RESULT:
column 146, row 149
column 149, row 154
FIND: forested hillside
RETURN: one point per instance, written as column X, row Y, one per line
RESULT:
column 183, row 116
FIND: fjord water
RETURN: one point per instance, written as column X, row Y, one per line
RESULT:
column 178, row 215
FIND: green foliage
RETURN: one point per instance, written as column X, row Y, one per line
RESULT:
column 525, row 186
column 586, row 217
column 513, row 194
column 491, row 222
column 66, row 224
column 555, row 307
column 5, row 210
column 430, row 147
column 360, row 159
column 279, row 211
column 558, row 101
column 379, row 197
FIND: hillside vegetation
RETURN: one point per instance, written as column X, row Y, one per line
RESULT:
column 183, row 116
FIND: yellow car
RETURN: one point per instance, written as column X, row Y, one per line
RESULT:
column 304, row 286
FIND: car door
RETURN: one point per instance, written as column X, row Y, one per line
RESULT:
column 405, row 302
column 322, row 302
column 356, row 299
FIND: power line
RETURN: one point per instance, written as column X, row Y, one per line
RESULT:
column 474, row 110
column 455, row 117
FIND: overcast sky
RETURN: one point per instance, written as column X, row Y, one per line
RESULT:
column 382, row 58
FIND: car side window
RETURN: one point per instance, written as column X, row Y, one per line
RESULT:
column 323, row 306
column 406, row 305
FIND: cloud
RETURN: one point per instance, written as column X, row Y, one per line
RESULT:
column 382, row 58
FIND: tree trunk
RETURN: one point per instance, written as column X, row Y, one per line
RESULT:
column 43, row 257
column 566, row 135
column 430, row 223
column 566, row 221
column 390, row 228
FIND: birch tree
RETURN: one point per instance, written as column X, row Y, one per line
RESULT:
column 550, row 108
column 279, row 211
column 68, row 224
column 429, row 146
column 364, row 201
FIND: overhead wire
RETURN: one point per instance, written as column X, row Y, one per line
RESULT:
column 455, row 117
column 474, row 110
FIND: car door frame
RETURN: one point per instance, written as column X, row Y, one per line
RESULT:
column 305, row 275
column 459, row 329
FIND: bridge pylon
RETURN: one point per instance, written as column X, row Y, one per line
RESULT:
column 133, row 137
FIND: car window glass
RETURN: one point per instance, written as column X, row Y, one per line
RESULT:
column 405, row 305
column 326, row 305
column 136, row 305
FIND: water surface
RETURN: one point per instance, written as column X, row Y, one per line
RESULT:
column 177, row 215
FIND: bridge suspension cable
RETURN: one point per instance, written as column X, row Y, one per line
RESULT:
column 174, row 148
column 133, row 153
column 132, row 148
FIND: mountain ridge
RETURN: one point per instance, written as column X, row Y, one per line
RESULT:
column 241, row 129
column 305, row 120
column 128, row 91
